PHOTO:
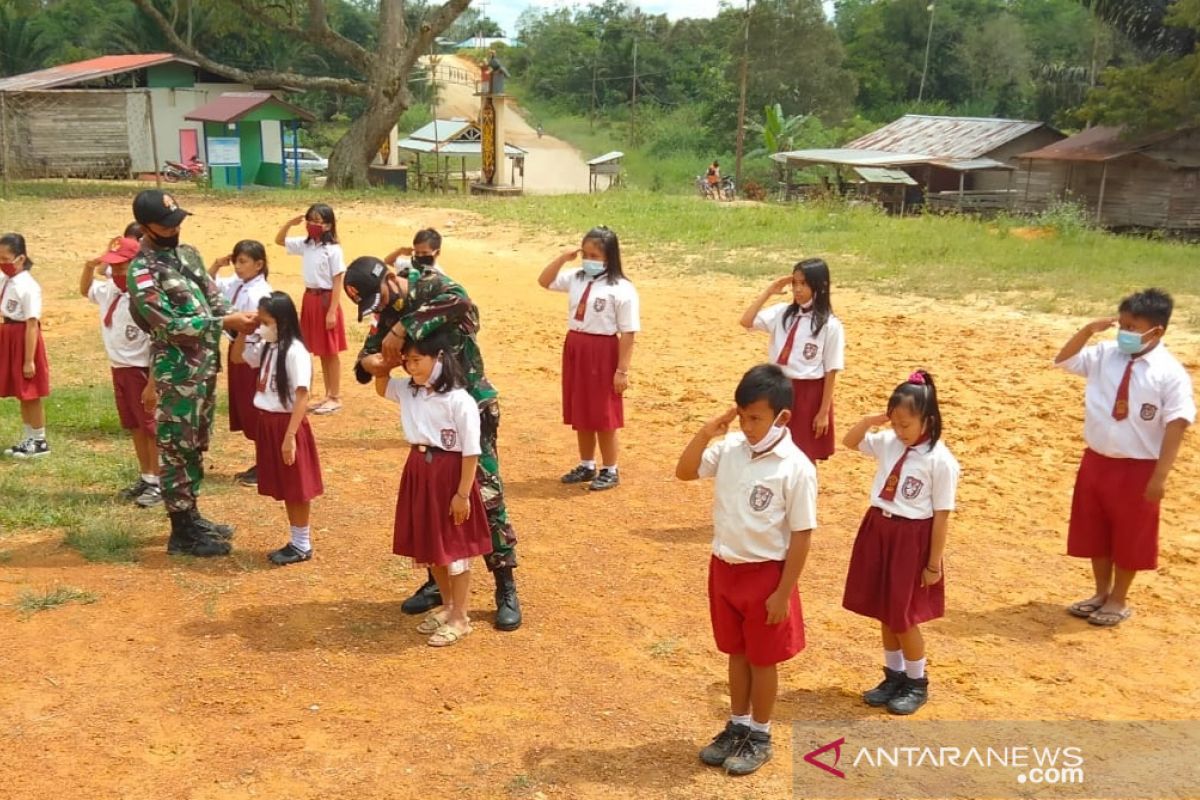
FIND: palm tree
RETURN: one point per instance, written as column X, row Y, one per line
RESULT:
column 22, row 48
column 1144, row 22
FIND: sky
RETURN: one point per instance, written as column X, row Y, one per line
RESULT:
column 506, row 12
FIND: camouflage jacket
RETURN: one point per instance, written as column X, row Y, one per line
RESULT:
column 434, row 303
column 173, row 299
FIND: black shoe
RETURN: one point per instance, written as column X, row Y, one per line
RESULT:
column 424, row 599
column 913, row 694
column 215, row 529
column 606, row 479
column 188, row 539
column 724, row 744
column 130, row 492
column 885, row 691
column 247, row 478
column 508, row 607
column 753, row 752
column 580, row 474
column 289, row 554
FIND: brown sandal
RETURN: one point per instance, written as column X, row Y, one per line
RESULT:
column 446, row 636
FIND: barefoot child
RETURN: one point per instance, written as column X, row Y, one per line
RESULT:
column 1137, row 406
column 24, row 371
column 764, row 510
column 440, row 519
column 128, row 348
column 285, row 451
column 808, row 342
column 602, row 320
column 895, row 573
column 321, row 318
column 244, row 290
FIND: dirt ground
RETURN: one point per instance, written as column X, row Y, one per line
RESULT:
column 229, row 679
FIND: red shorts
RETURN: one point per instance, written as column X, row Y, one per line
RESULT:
column 806, row 402
column 319, row 340
column 128, row 385
column 1110, row 518
column 737, row 603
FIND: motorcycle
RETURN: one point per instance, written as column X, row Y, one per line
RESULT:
column 194, row 170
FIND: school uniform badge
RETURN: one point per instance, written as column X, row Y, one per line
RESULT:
column 12, row 305
column 449, row 438
column 132, row 332
column 599, row 303
column 911, row 488
column 760, row 498
column 1149, row 411
column 810, row 351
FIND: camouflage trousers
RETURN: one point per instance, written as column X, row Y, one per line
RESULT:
column 491, row 486
column 184, row 422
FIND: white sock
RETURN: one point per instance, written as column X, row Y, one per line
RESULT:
column 589, row 464
column 39, row 434
column 612, row 469
column 26, row 432
column 914, row 669
column 150, row 479
column 301, row 538
column 760, row 727
column 741, row 719
column 894, row 660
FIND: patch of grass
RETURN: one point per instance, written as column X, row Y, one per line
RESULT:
column 30, row 602
column 519, row 783
column 664, row 647
column 5, row 556
column 109, row 538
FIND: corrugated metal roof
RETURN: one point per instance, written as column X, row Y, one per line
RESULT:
column 607, row 157
column 442, row 130
column 90, row 70
column 1103, row 143
column 953, row 138
column 454, row 148
column 232, row 106
column 850, row 158
column 971, row 165
column 889, row 176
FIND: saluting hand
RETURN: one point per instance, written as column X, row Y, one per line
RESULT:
column 719, row 426
column 1102, row 324
column 570, row 255
column 294, row 221
column 223, row 261
column 781, row 285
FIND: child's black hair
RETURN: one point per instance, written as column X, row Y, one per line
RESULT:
column 279, row 306
column 608, row 242
column 134, row 230
column 16, row 243
column 428, row 236
column 255, row 250
column 453, row 374
column 1152, row 305
column 816, row 275
column 764, row 382
column 325, row 213
column 919, row 395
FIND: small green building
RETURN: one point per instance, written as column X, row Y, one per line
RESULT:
column 244, row 141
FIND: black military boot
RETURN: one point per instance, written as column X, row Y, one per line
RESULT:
column 424, row 599
column 886, row 690
column 215, row 529
column 189, row 539
column 179, row 543
column 508, row 607
column 912, row 695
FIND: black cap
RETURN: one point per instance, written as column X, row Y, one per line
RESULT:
column 157, row 207
column 364, row 275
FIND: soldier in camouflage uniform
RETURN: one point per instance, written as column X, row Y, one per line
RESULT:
column 174, row 300
column 415, row 303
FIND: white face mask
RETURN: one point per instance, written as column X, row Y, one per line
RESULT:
column 773, row 437
column 268, row 333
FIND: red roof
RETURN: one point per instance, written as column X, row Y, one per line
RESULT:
column 1101, row 143
column 232, row 106
column 90, row 70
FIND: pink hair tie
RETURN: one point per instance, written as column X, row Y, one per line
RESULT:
column 917, row 378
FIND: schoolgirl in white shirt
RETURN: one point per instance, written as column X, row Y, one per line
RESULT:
column 24, row 371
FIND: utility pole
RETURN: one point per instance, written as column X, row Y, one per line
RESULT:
column 743, row 78
column 592, row 111
column 633, row 105
column 928, row 43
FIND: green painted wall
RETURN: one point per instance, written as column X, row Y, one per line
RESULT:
column 171, row 76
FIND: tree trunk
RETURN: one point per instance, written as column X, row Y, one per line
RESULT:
column 356, row 150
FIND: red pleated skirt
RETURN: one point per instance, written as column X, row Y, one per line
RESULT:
column 243, row 383
column 319, row 340
column 884, row 580
column 588, row 365
column 806, row 402
column 424, row 529
column 13, row 382
column 298, row 482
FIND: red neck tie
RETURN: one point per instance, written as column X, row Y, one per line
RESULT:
column 108, row 315
column 236, row 294
column 893, row 479
column 581, row 309
column 786, row 352
column 1121, row 406
column 4, row 291
column 264, row 368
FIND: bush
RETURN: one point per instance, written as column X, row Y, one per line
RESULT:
column 753, row 190
column 1068, row 216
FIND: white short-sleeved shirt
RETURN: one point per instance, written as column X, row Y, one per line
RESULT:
column 928, row 479
column 244, row 295
column 449, row 420
column 758, row 502
column 20, row 297
column 812, row 355
column 1160, row 391
column 612, row 307
column 299, row 372
column 127, row 344
column 321, row 264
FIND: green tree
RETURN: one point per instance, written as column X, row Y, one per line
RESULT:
column 23, row 45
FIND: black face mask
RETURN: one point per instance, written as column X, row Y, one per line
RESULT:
column 164, row 242
column 424, row 261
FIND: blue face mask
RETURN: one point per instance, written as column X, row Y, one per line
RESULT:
column 592, row 268
column 1130, row 342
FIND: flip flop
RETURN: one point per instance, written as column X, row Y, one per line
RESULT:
column 446, row 636
column 431, row 623
column 1110, row 619
column 1084, row 608
column 328, row 407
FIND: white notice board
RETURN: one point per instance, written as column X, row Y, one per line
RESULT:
column 224, row 151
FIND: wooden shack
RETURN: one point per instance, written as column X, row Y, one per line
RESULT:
column 1150, row 182
column 608, row 165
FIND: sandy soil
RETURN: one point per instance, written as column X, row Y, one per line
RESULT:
column 552, row 166
column 229, row 679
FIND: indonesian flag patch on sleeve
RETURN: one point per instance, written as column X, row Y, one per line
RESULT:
column 143, row 280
